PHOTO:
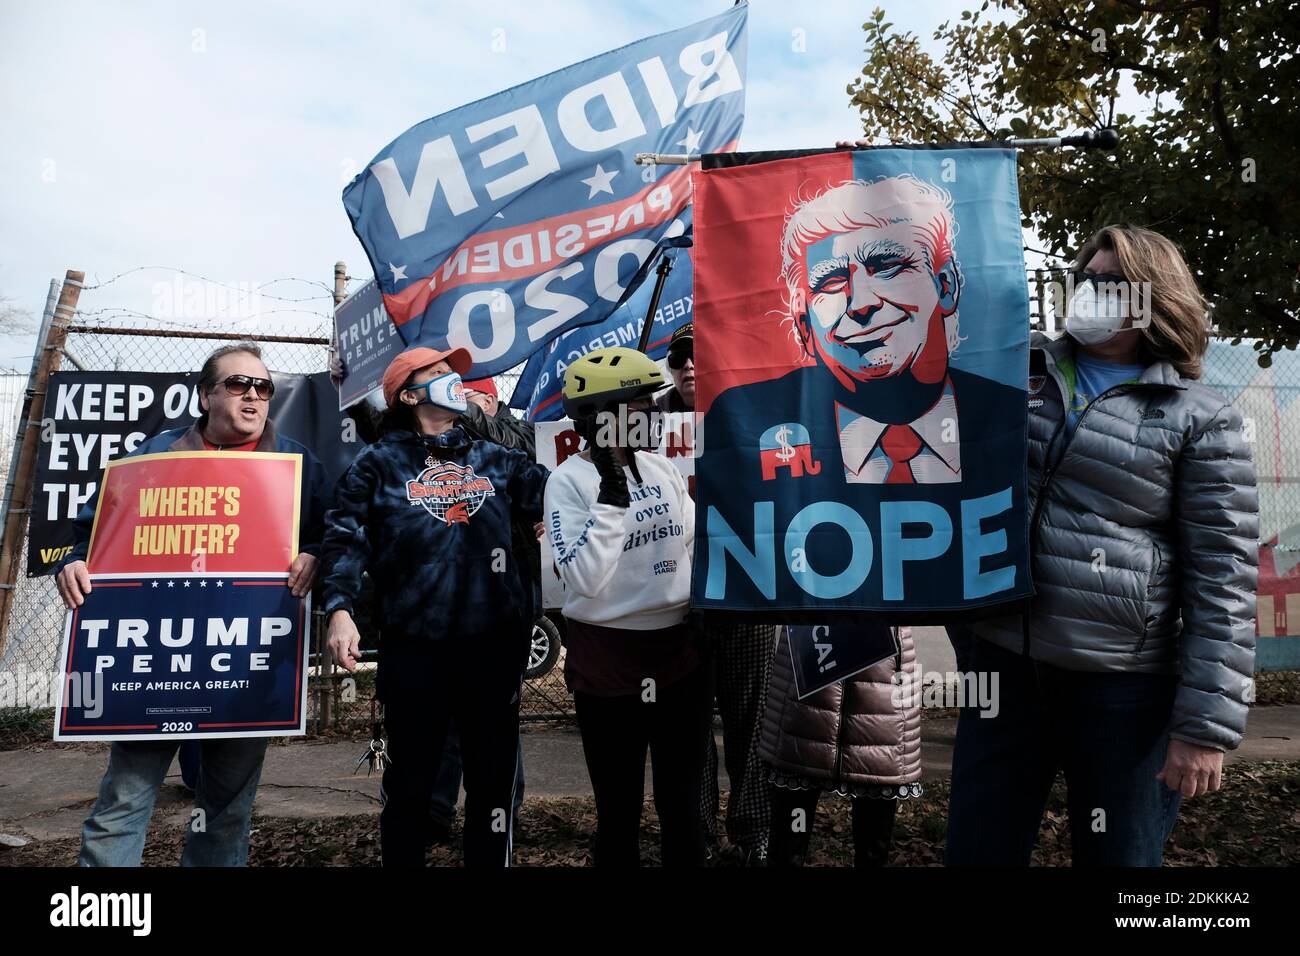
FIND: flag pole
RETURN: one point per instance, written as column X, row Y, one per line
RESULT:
column 665, row 267
column 666, row 159
column 1092, row 139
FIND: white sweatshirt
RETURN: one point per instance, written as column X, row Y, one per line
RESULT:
column 622, row 567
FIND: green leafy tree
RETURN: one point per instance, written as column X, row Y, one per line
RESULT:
column 1211, row 159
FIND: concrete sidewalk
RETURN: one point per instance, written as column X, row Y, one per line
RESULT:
column 46, row 794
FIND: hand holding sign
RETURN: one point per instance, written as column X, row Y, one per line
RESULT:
column 302, row 575
column 74, row 583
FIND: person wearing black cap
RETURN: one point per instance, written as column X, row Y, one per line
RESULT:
column 681, row 363
column 740, row 657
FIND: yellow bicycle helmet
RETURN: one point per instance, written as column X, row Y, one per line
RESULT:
column 609, row 376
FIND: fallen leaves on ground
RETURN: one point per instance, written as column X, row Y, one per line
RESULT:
column 1253, row 821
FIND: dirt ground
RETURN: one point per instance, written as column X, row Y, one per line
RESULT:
column 1253, row 821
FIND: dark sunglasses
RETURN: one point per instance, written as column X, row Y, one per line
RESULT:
column 1082, row 275
column 239, row 384
column 677, row 358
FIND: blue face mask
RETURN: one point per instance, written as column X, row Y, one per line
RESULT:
column 446, row 391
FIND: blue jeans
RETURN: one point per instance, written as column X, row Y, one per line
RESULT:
column 446, row 791
column 114, row 833
column 1107, row 731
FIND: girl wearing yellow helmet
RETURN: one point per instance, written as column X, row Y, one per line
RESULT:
column 621, row 525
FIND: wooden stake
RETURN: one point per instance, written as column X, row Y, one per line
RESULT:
column 33, row 412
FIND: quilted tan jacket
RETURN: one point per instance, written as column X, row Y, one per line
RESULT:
column 850, row 733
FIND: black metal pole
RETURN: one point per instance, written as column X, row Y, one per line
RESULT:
column 1092, row 139
column 665, row 267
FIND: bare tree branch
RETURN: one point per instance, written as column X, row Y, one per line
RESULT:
column 14, row 321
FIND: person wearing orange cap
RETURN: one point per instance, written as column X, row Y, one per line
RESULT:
column 427, row 511
column 486, row 418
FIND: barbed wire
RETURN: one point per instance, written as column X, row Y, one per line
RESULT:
column 223, row 314
column 328, row 290
column 110, row 313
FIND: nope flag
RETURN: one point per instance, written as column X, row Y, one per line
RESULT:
column 501, row 224
column 862, row 375
column 542, row 381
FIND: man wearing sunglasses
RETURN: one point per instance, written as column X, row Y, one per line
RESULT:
column 235, row 392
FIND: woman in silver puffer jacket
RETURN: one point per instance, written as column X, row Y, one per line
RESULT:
column 859, row 737
column 1131, row 669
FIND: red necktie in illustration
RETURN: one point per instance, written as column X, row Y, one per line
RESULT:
column 901, row 443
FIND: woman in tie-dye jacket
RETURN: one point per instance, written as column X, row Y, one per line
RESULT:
column 427, row 512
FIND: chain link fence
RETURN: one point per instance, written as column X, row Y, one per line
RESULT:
column 13, row 386
column 1266, row 398
column 134, row 343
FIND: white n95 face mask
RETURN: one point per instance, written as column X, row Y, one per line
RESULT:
column 1094, row 316
column 446, row 391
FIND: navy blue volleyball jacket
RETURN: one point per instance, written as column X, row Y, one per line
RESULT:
column 429, row 518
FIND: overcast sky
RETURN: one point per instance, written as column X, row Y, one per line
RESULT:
column 217, row 137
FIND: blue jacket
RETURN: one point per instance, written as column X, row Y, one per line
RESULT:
column 315, row 485
column 429, row 518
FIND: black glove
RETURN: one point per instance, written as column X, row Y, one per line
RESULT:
column 613, row 483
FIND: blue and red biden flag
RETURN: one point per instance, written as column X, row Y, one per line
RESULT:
column 541, row 384
column 502, row 224
column 862, row 365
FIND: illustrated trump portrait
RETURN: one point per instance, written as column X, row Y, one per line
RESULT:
column 873, row 288
column 864, row 321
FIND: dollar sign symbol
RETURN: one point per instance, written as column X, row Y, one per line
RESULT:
column 783, row 439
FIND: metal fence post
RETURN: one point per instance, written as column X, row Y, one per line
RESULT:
column 51, row 300
column 324, row 683
column 19, row 493
column 324, row 662
column 1041, row 281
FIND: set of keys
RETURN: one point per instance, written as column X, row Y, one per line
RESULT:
column 376, row 757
